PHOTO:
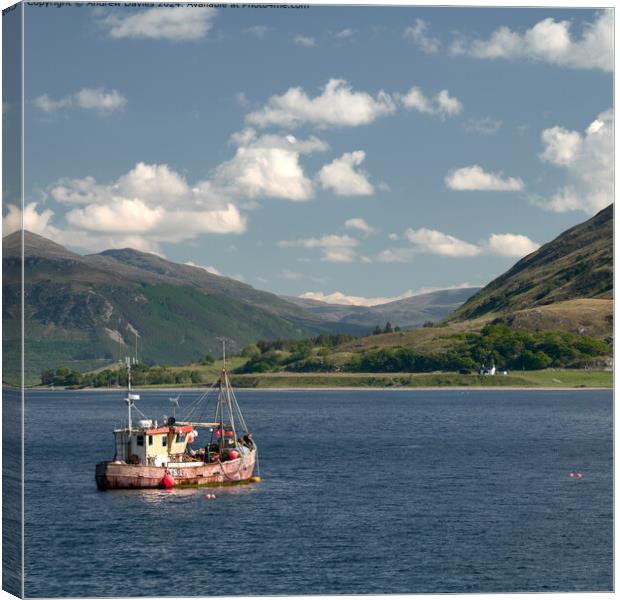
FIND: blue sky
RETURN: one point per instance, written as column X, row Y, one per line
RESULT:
column 368, row 152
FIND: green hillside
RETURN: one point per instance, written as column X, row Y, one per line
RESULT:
column 576, row 264
column 83, row 311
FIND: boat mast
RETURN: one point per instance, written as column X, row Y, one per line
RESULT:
column 129, row 399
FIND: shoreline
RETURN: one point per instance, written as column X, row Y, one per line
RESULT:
column 331, row 389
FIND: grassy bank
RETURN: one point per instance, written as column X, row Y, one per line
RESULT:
column 559, row 379
column 549, row 378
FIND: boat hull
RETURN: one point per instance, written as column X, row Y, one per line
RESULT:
column 113, row 475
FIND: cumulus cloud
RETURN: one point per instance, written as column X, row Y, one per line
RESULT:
column 417, row 33
column 510, row 244
column 549, row 41
column 304, row 40
column 341, row 177
column 177, row 23
column 338, row 105
column 442, row 104
column 334, row 248
column 97, row 99
column 268, row 166
column 359, row 224
column 476, row 178
column 152, row 202
column 561, row 146
column 431, row 241
column 436, row 242
column 32, row 219
column 587, row 159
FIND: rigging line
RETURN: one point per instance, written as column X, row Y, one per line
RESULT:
column 241, row 419
column 192, row 407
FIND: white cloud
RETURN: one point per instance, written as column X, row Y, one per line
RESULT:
column 335, row 248
column 442, row 105
column 549, row 41
column 436, row 242
column 417, row 33
column 395, row 255
column 476, row 178
column 344, row 33
column 359, row 224
column 209, row 269
column 97, row 99
column 587, row 159
column 268, row 166
column 561, row 146
column 484, row 126
column 512, row 245
column 174, row 23
column 48, row 105
column 431, row 241
column 341, row 177
column 304, row 40
column 337, row 106
column 152, row 202
column 34, row 221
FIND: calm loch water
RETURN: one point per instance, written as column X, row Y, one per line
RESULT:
column 363, row 492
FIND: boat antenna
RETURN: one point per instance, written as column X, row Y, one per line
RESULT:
column 130, row 396
column 175, row 405
column 223, row 340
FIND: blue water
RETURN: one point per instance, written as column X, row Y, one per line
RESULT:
column 362, row 492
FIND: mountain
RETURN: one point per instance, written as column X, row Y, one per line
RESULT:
column 577, row 264
column 85, row 311
column 407, row 313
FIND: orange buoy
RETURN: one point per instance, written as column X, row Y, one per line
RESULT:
column 578, row 475
column 167, row 481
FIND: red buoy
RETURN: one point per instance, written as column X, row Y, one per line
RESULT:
column 168, row 481
column 233, row 454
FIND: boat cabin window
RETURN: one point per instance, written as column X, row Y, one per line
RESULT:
column 140, row 440
column 180, row 437
column 150, row 440
column 164, row 440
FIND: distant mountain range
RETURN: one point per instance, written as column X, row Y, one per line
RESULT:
column 406, row 313
column 577, row 264
column 86, row 311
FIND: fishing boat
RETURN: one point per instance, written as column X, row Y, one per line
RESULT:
column 185, row 452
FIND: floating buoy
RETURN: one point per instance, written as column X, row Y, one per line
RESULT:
column 210, row 496
column 571, row 475
column 255, row 479
column 578, row 475
column 167, row 481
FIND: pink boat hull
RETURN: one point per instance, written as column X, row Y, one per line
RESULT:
column 116, row 475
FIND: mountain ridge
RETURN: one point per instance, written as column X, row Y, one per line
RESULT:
column 578, row 263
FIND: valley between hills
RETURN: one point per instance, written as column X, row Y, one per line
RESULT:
column 547, row 321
